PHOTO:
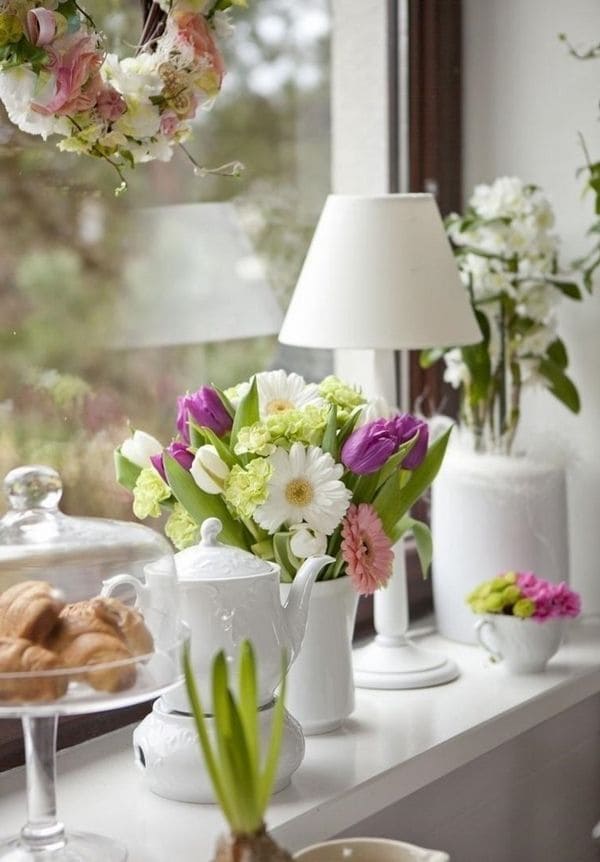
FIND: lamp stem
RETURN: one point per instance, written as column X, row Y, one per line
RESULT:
column 391, row 604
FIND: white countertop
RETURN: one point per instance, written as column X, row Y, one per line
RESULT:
column 395, row 743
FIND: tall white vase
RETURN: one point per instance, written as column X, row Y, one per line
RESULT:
column 491, row 514
column 320, row 685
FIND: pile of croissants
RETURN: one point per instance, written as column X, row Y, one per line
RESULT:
column 39, row 632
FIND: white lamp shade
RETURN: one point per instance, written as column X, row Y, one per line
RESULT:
column 192, row 277
column 380, row 274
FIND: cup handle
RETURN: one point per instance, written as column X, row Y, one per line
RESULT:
column 480, row 628
column 109, row 586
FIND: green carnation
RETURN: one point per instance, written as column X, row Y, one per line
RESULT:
column 149, row 492
column 254, row 440
column 524, row 608
column 298, row 426
column 181, row 528
column 345, row 397
column 246, row 487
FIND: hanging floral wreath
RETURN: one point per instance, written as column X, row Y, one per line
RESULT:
column 56, row 78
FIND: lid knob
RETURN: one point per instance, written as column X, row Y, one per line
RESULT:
column 34, row 487
column 209, row 531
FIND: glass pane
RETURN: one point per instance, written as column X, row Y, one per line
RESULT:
column 70, row 250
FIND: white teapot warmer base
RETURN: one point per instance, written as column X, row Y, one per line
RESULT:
column 167, row 751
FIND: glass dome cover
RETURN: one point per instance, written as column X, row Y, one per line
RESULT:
column 82, row 593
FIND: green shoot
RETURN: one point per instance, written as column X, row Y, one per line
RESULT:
column 233, row 761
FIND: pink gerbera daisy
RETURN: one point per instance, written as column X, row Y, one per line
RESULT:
column 366, row 549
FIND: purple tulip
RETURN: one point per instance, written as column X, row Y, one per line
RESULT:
column 367, row 449
column 176, row 450
column 206, row 409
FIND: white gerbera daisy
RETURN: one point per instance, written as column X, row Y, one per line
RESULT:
column 278, row 392
column 305, row 487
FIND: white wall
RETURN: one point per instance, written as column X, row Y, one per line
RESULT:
column 525, row 101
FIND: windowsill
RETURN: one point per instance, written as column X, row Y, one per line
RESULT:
column 394, row 744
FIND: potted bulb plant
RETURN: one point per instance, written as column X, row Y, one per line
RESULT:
column 242, row 779
column 495, row 508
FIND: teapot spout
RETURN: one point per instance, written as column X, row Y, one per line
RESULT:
column 296, row 609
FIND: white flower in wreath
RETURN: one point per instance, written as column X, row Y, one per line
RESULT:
column 18, row 88
column 136, row 77
column 159, row 150
column 305, row 486
column 278, row 392
column 140, row 120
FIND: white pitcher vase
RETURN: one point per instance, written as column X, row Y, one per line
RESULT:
column 320, row 687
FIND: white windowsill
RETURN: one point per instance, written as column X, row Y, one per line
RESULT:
column 394, row 744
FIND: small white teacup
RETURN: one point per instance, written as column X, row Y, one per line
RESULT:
column 524, row 645
column 369, row 850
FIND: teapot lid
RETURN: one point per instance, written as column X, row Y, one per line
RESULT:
column 212, row 560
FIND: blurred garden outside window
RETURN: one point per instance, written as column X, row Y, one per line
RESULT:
column 67, row 243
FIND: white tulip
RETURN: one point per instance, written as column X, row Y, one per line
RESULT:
column 140, row 447
column 307, row 543
column 209, row 470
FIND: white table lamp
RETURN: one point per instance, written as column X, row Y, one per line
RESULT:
column 380, row 275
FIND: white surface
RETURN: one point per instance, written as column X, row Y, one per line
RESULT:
column 394, row 744
column 392, row 281
column 525, row 101
column 492, row 514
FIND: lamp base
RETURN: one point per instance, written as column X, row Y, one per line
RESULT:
column 396, row 663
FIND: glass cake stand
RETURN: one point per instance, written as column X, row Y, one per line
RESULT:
column 88, row 622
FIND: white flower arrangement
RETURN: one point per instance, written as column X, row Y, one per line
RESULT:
column 508, row 259
column 56, row 78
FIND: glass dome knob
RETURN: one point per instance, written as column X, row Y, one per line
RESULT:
column 34, row 487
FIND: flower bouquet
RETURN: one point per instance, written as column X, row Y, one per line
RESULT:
column 508, row 259
column 291, row 469
column 524, row 595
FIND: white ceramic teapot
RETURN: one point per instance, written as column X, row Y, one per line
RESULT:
column 227, row 596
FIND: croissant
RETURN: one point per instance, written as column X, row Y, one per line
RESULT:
column 78, row 619
column 29, row 610
column 18, row 655
column 92, row 648
column 129, row 623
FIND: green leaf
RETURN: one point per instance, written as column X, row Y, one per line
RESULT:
column 284, row 557
column 224, row 401
column 477, row 359
column 421, row 478
column 568, row 288
column 557, row 352
column 248, row 699
column 201, row 505
column 423, row 540
column 223, row 450
column 329, row 443
column 387, row 502
column 126, row 471
column 205, row 745
column 348, row 427
column 267, row 779
column 561, row 386
column 223, row 729
column 247, row 412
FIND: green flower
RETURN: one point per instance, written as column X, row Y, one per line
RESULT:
column 181, row 528
column 511, row 595
column 148, row 494
column 10, row 29
column 493, row 604
column 254, row 440
column 246, row 488
column 524, row 608
column 298, row 426
column 345, row 397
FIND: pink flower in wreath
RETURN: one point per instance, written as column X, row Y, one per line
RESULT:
column 169, row 123
column 366, row 549
column 74, row 60
column 110, row 104
column 194, row 30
